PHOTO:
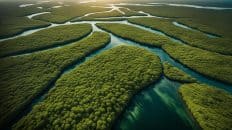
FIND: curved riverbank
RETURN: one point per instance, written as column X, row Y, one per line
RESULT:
column 173, row 110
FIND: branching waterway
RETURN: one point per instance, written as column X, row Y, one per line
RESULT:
column 156, row 107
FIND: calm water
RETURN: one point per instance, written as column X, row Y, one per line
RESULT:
column 156, row 107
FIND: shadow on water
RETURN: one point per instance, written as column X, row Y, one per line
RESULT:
column 165, row 57
column 156, row 108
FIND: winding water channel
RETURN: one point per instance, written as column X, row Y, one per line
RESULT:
column 156, row 107
column 193, row 29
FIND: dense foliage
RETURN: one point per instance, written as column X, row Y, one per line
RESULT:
column 129, row 12
column 12, row 20
column 211, row 107
column 214, row 21
column 202, row 27
column 94, row 94
column 191, row 37
column 211, row 64
column 14, row 25
column 101, row 15
column 134, row 34
column 44, row 39
column 66, row 13
column 114, row 13
column 176, row 74
column 25, row 77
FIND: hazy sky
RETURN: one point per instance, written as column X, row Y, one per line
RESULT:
column 143, row 0
column 225, row 2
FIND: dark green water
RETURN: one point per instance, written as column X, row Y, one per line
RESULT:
column 156, row 108
column 159, row 107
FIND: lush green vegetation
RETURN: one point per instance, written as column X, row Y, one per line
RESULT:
column 201, row 27
column 44, row 39
column 114, row 13
column 107, row 19
column 191, row 37
column 12, row 9
column 211, row 64
column 66, row 13
column 12, row 20
column 134, row 34
column 176, row 74
column 15, row 25
column 214, row 21
column 162, row 11
column 129, row 12
column 94, row 94
column 211, row 107
column 25, row 77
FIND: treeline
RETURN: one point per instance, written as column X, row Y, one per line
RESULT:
column 11, row 26
column 211, row 21
column 67, row 13
column 114, row 13
column 44, row 39
column 13, row 20
column 135, row 34
column 176, row 74
column 94, row 94
column 194, row 38
column 211, row 64
column 25, row 77
column 208, row 63
column 211, row 107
